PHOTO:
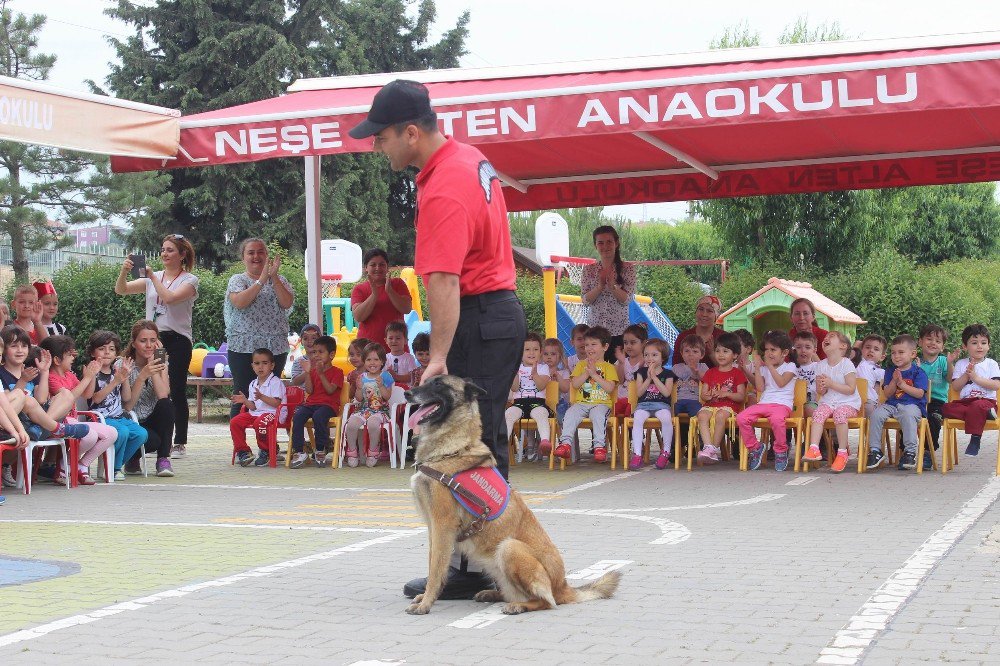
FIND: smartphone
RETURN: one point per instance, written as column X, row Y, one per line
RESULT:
column 138, row 266
column 160, row 355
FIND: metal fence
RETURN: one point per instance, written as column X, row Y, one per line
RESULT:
column 43, row 264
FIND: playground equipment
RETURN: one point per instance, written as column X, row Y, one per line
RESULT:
column 341, row 261
column 563, row 311
column 767, row 309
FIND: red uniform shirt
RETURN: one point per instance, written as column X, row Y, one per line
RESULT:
column 461, row 222
column 335, row 376
column 373, row 328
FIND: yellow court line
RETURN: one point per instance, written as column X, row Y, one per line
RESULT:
column 373, row 514
column 265, row 521
column 350, row 507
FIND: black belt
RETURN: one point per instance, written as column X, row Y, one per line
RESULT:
column 482, row 300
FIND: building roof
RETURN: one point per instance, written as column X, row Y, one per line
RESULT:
column 833, row 310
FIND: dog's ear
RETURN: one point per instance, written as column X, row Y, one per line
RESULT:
column 473, row 392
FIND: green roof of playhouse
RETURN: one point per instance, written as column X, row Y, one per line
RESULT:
column 779, row 291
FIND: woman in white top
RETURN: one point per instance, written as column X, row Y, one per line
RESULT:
column 170, row 296
column 837, row 387
column 608, row 286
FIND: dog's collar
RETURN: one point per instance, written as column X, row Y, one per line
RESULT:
column 450, row 482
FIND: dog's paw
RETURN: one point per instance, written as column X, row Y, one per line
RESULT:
column 417, row 599
column 513, row 609
column 417, row 609
column 488, row 596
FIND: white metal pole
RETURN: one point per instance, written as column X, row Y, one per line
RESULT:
column 315, row 272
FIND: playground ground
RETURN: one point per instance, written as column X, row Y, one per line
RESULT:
column 244, row 565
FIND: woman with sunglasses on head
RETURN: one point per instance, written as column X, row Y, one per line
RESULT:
column 706, row 312
column 170, row 296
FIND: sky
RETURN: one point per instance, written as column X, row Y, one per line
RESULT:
column 512, row 32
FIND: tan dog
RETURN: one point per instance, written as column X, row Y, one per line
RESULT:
column 513, row 548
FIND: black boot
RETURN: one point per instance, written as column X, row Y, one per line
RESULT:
column 461, row 584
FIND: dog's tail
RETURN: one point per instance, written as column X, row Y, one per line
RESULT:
column 602, row 588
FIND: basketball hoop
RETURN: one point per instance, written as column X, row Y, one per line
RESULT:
column 331, row 285
column 573, row 266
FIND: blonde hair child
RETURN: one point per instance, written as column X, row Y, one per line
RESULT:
column 837, row 388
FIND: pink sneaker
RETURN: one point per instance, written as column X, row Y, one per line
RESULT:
column 663, row 461
column 709, row 455
column 544, row 447
column 635, row 463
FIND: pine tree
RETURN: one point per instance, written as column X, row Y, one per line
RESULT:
column 199, row 55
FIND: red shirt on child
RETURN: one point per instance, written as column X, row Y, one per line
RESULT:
column 58, row 382
column 319, row 396
column 729, row 381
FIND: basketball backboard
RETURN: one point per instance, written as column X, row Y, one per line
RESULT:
column 339, row 257
column 551, row 238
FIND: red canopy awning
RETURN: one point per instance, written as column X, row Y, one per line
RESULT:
column 801, row 118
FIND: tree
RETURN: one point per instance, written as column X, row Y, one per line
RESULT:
column 824, row 229
column 198, row 55
column 946, row 222
column 39, row 180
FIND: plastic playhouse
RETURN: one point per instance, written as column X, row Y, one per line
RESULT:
column 768, row 309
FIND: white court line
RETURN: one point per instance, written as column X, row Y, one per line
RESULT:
column 144, row 602
column 222, row 486
column 768, row 497
column 593, row 484
column 252, row 526
column 379, row 662
column 494, row 612
column 850, row 643
column 672, row 533
column 801, row 480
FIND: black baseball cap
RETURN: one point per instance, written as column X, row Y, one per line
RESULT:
column 397, row 102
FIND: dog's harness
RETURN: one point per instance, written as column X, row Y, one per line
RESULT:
column 487, row 504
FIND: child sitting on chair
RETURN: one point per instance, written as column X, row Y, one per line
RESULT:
column 938, row 367
column 577, row 340
column 977, row 379
column 594, row 382
column 266, row 392
column 554, row 357
column 837, row 386
column 100, row 437
column 628, row 361
column 723, row 392
column 906, row 401
column 300, row 366
column 422, row 350
column 774, row 378
column 372, row 397
column 528, row 394
column 806, row 361
column 654, row 386
column 399, row 362
column 323, row 383
column 356, row 357
column 870, row 369
column 689, row 374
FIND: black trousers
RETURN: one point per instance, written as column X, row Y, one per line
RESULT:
column 160, row 426
column 241, row 367
column 179, row 354
column 487, row 350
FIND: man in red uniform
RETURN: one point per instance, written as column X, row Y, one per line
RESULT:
column 464, row 256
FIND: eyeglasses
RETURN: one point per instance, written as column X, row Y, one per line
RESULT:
column 176, row 236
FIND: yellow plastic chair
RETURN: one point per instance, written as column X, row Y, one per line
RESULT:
column 923, row 441
column 949, row 437
column 794, row 421
column 650, row 427
column 527, row 424
column 859, row 423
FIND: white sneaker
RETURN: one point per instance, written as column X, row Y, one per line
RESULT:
column 299, row 459
column 319, row 459
column 8, row 477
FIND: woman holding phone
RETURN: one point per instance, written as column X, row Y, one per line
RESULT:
column 170, row 296
column 150, row 395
